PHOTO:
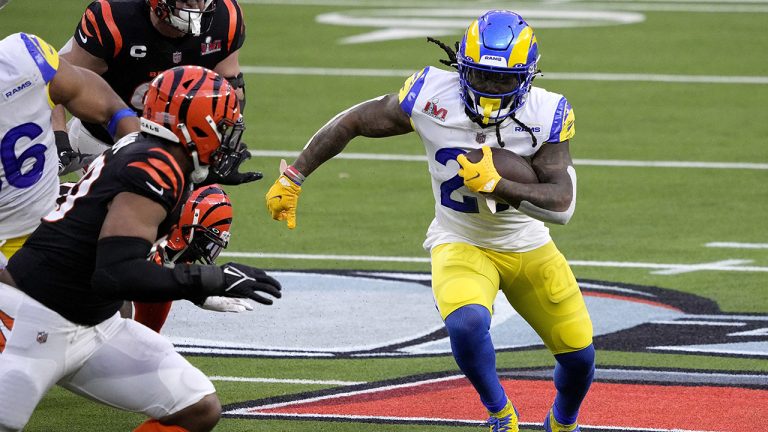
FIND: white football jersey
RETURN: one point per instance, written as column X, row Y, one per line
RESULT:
column 432, row 99
column 29, row 181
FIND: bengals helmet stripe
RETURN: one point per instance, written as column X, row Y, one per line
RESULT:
column 187, row 102
column 106, row 13
column 203, row 228
column 214, row 215
column 200, row 108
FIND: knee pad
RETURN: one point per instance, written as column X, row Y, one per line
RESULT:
column 468, row 320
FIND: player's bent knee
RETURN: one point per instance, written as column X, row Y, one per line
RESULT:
column 200, row 416
column 572, row 335
column 468, row 321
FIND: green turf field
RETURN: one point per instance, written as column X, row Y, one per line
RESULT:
column 670, row 150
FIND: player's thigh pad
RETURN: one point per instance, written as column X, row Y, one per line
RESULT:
column 41, row 349
column 462, row 275
column 81, row 140
column 138, row 370
column 546, row 295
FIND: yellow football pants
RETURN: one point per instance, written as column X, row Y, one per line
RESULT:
column 539, row 285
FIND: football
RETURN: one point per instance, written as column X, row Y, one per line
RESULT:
column 508, row 164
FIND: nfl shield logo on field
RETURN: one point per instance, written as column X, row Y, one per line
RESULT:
column 42, row 337
column 177, row 57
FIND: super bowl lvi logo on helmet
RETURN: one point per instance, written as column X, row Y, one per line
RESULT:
column 497, row 61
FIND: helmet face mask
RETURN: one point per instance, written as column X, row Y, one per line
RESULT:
column 497, row 62
column 225, row 158
column 189, row 16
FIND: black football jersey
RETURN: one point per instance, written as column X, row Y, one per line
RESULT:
column 121, row 33
column 57, row 262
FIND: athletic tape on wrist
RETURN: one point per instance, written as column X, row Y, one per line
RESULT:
column 294, row 174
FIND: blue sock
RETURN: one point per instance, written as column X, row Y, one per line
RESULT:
column 573, row 376
column 473, row 350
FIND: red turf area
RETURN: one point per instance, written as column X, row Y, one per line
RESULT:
column 607, row 405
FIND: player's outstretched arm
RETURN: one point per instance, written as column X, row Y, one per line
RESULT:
column 87, row 96
column 123, row 272
column 375, row 118
column 553, row 199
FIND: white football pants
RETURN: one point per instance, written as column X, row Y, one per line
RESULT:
column 118, row 362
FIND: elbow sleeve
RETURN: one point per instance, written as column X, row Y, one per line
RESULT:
column 122, row 271
column 551, row 216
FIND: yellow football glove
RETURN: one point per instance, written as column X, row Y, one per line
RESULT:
column 481, row 176
column 282, row 199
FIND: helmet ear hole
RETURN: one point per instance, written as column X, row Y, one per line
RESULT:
column 199, row 132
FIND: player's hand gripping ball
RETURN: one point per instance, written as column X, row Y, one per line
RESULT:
column 483, row 168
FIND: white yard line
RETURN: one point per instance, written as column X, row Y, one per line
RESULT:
column 705, row 6
column 577, row 162
column 728, row 266
column 733, row 245
column 565, row 76
column 283, row 381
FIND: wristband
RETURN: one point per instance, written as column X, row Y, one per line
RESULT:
column 294, row 174
column 116, row 117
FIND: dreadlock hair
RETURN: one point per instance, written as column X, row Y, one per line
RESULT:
column 454, row 63
column 451, row 62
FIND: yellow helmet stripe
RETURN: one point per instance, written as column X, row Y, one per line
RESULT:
column 472, row 50
column 523, row 44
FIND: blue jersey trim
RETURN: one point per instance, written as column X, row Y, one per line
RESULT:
column 413, row 93
column 36, row 52
column 557, row 122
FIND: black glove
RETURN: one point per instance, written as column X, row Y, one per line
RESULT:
column 241, row 280
column 235, row 177
column 69, row 159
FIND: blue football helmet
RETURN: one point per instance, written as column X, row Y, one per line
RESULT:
column 497, row 61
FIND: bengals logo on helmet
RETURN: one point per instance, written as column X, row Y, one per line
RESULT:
column 197, row 108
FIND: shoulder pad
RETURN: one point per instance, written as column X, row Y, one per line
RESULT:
column 410, row 90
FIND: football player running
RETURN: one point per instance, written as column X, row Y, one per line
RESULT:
column 32, row 76
column 129, row 42
column 90, row 254
column 476, row 252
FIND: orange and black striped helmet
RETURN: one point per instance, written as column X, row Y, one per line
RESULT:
column 198, row 108
column 203, row 228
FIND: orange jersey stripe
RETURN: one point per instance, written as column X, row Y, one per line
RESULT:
column 84, row 26
column 163, row 167
column 6, row 320
column 151, row 171
column 176, row 169
column 92, row 19
column 106, row 11
column 232, row 22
